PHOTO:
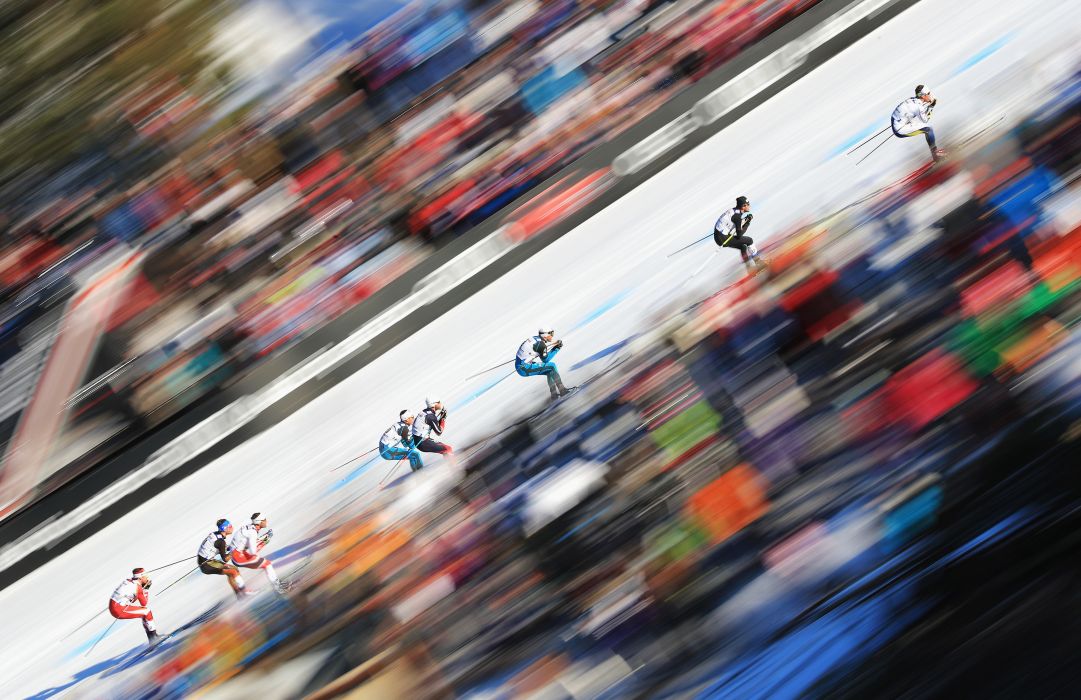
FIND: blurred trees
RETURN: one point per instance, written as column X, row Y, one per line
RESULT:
column 64, row 61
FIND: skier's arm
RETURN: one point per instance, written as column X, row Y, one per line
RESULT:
column 223, row 548
column 742, row 222
column 541, row 350
column 437, row 424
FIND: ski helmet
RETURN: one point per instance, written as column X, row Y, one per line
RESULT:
column 431, row 402
column 257, row 518
column 137, row 572
column 741, row 202
column 405, row 415
column 922, row 90
column 546, row 330
column 224, row 525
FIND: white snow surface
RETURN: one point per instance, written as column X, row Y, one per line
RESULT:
column 783, row 155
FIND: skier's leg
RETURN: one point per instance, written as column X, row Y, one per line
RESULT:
column 434, row 446
column 271, row 574
column 552, row 388
column 929, row 134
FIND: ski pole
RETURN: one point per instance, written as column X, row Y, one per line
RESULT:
column 162, row 591
column 354, row 459
column 700, row 268
column 485, row 371
column 166, row 566
column 884, row 142
column 392, row 469
column 689, row 245
column 865, row 142
column 87, row 622
column 100, row 638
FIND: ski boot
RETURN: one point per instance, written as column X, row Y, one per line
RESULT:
column 244, row 593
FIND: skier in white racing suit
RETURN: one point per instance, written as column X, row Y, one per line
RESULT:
column 913, row 118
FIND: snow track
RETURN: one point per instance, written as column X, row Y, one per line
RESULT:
column 596, row 285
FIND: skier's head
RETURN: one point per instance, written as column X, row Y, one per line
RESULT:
column 433, row 403
column 224, row 526
column 139, row 574
column 924, row 93
column 743, row 204
column 546, row 333
column 406, row 417
column 258, row 519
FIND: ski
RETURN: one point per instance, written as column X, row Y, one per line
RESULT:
column 969, row 139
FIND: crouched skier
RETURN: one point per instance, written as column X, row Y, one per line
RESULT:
column 432, row 421
column 213, row 557
column 397, row 441
column 131, row 601
column 730, row 231
column 913, row 118
column 246, row 545
column 536, row 356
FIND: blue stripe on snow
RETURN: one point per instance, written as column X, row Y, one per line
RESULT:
column 983, row 54
column 479, row 392
column 364, row 466
column 847, row 146
column 91, row 641
column 602, row 309
column 602, row 354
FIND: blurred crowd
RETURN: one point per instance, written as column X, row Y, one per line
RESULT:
column 849, row 477
column 240, row 237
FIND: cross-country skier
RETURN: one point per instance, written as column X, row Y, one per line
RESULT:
column 432, row 420
column 246, row 544
column 397, row 441
column 213, row 557
column 730, row 232
column 536, row 356
column 913, row 117
column 131, row 601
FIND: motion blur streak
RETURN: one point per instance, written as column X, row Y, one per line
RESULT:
column 848, row 474
column 284, row 163
column 747, row 501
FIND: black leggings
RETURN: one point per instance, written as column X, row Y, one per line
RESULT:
column 213, row 566
column 740, row 242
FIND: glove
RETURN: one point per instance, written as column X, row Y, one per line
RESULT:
column 558, row 344
column 265, row 537
column 146, row 586
column 442, row 415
